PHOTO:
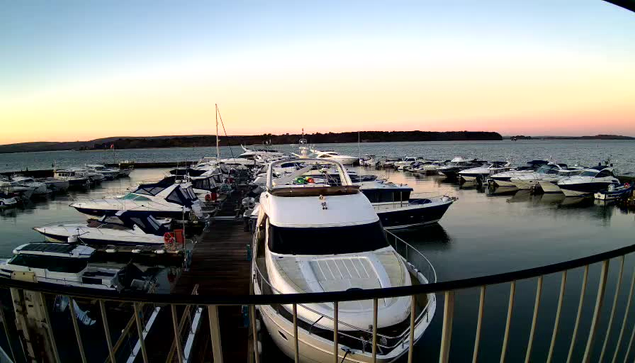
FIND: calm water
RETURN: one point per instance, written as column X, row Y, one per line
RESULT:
column 622, row 153
column 481, row 234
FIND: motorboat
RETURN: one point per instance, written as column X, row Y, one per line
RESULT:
column 333, row 155
column 21, row 192
column 126, row 228
column 615, row 192
column 55, row 185
column 590, row 181
column 109, row 174
column 428, row 167
column 451, row 169
column 407, row 161
column 74, row 177
column 480, row 173
column 176, row 201
column 68, row 265
column 503, row 179
column 259, row 154
column 39, row 188
column 7, row 201
column 125, row 171
column 396, row 209
column 547, row 175
column 368, row 160
column 320, row 236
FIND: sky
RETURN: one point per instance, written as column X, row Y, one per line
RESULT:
column 83, row 69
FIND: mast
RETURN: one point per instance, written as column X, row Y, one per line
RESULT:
column 217, row 140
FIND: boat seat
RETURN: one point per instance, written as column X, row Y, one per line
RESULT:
column 314, row 191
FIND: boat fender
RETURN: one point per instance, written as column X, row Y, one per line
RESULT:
column 208, row 197
column 169, row 239
column 72, row 238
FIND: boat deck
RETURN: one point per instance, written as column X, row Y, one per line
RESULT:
column 220, row 266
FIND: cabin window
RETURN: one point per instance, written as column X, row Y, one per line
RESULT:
column 603, row 174
column 50, row 263
column 327, row 241
column 589, row 173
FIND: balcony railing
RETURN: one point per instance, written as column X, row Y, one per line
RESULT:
column 190, row 312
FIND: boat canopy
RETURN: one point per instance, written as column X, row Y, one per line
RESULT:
column 142, row 219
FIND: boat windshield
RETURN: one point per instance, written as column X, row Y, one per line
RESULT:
column 133, row 196
column 589, row 173
column 50, row 263
column 327, row 241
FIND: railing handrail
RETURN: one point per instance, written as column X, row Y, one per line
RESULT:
column 339, row 296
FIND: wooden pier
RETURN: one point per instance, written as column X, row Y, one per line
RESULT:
column 220, row 266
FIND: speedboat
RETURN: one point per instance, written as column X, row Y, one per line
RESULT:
column 504, row 179
column 451, row 170
column 7, row 201
column 257, row 154
column 109, row 174
column 39, row 188
column 407, row 161
column 127, row 228
column 67, row 265
column 333, row 155
column 22, row 192
column 547, row 174
column 615, row 192
column 396, row 209
column 314, row 236
column 176, row 201
column 74, row 177
column 590, row 181
column 482, row 172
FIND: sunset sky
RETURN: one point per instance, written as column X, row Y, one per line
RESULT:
column 79, row 70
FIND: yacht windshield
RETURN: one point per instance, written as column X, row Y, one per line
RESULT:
column 589, row 173
column 327, row 241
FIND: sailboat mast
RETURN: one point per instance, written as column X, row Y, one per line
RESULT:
column 217, row 139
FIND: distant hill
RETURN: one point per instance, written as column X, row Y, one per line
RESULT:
column 210, row 140
column 595, row 137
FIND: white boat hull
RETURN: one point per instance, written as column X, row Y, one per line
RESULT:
column 549, row 187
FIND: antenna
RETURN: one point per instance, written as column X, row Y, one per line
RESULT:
column 217, row 140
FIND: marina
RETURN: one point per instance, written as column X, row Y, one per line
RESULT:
column 217, row 253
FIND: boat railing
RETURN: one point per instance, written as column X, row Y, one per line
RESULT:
column 587, row 326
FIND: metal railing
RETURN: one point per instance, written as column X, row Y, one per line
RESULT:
column 609, row 331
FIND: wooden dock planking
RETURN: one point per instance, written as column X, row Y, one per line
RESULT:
column 220, row 267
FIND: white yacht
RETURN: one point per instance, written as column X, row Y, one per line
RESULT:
column 64, row 264
column 175, row 201
column 550, row 173
column 335, row 156
column 126, row 228
column 21, row 192
column 7, row 201
column 314, row 237
column 588, row 182
column 257, row 154
column 39, row 188
column 109, row 174
column 407, row 161
column 482, row 172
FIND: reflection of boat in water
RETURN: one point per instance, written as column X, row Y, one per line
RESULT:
column 501, row 191
column 430, row 235
column 577, row 202
column 551, row 198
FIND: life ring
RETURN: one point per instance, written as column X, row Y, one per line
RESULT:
column 208, row 197
column 627, row 185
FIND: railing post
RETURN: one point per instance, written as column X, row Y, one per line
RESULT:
column 596, row 312
column 479, row 323
column 579, row 314
column 508, row 322
column 104, row 318
column 534, row 319
column 335, row 331
column 254, row 332
column 140, row 329
column 411, row 336
column 556, row 323
column 446, row 332
column 296, row 344
column 375, row 311
column 628, row 307
column 78, row 336
column 177, row 336
column 214, row 329
column 49, row 329
column 612, row 316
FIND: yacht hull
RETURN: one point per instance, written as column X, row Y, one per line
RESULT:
column 550, row 187
column 90, row 212
column 411, row 214
column 577, row 190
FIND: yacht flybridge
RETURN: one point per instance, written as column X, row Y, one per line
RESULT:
column 320, row 234
column 175, row 201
